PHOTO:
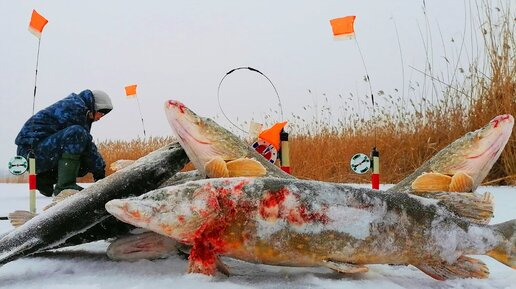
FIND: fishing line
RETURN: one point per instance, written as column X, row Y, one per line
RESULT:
column 254, row 70
column 31, row 152
column 31, row 156
column 35, row 90
column 370, row 87
column 141, row 117
column 36, row 78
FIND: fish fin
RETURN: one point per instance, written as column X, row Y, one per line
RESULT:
column 119, row 165
column 207, row 266
column 20, row 217
column 64, row 194
column 147, row 246
column 199, row 266
column 221, row 267
column 464, row 267
column 216, row 168
column 245, row 167
column 506, row 251
column 345, row 268
column 474, row 207
column 461, row 182
column 61, row 196
column 431, row 182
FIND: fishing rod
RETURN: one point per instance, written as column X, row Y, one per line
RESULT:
column 344, row 27
column 130, row 92
column 36, row 25
column 375, row 154
column 141, row 117
column 253, row 70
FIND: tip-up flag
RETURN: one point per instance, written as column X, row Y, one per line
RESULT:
column 130, row 90
column 343, row 27
column 37, row 23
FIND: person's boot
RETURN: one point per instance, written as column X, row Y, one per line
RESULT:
column 45, row 183
column 67, row 170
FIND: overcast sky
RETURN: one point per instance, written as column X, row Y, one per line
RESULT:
column 181, row 50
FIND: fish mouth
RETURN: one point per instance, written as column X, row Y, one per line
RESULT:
column 188, row 128
column 184, row 122
column 141, row 213
column 498, row 133
column 201, row 138
column 126, row 212
column 487, row 147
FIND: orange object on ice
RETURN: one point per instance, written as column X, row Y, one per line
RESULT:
column 272, row 135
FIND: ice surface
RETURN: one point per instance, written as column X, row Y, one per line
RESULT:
column 86, row 266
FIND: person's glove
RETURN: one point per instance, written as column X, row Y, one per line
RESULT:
column 97, row 176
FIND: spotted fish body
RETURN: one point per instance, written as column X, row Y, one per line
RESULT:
column 308, row 223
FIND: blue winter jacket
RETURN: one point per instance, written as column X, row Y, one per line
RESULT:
column 72, row 110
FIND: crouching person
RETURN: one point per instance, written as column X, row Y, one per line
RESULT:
column 59, row 137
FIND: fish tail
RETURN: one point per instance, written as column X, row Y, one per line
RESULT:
column 505, row 251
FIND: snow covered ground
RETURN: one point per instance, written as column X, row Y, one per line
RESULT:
column 86, row 266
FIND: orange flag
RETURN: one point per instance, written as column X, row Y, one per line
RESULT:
column 343, row 27
column 37, row 23
column 130, row 90
column 272, row 135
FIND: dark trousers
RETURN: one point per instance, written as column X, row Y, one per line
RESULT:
column 73, row 140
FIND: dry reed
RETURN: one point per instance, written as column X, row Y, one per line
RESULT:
column 407, row 130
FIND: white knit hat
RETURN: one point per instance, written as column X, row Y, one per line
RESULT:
column 102, row 101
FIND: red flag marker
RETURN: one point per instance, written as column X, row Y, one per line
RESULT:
column 130, row 90
column 343, row 28
column 37, row 23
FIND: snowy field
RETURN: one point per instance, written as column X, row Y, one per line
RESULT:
column 86, row 266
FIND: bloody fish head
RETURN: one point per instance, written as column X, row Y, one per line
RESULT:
column 165, row 211
column 202, row 138
column 476, row 152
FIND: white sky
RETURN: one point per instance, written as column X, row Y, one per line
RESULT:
column 182, row 49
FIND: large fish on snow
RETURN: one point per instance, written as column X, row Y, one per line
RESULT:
column 293, row 222
column 205, row 141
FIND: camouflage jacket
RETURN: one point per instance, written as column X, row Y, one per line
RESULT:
column 72, row 110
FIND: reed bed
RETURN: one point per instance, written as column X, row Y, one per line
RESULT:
column 407, row 128
column 113, row 150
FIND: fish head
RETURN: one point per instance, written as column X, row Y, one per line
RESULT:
column 476, row 152
column 169, row 211
column 201, row 137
